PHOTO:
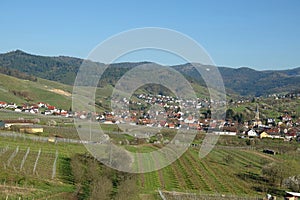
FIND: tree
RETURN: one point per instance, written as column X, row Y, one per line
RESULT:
column 127, row 189
column 208, row 113
column 276, row 172
column 239, row 117
column 101, row 188
column 293, row 183
column 228, row 159
column 229, row 113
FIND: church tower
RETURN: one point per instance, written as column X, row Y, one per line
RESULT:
column 257, row 113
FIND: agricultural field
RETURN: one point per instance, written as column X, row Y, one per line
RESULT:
column 32, row 169
column 210, row 175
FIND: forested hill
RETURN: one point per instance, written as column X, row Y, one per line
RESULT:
column 62, row 69
column 242, row 81
column 246, row 81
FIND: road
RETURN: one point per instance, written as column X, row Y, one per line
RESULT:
column 39, row 138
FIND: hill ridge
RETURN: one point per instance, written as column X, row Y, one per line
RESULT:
column 243, row 81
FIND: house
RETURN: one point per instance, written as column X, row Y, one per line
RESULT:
column 292, row 196
column 286, row 118
column 273, row 131
column 230, row 129
column 264, row 135
column 48, row 112
column 225, row 133
column 51, row 107
column 11, row 105
column 18, row 110
column 107, row 122
column 64, row 113
column 3, row 104
column 31, row 129
column 251, row 133
column 276, row 136
column 9, row 123
column 41, row 105
column 270, row 122
column 297, row 123
column 291, row 133
column 52, row 139
column 171, row 125
column 189, row 120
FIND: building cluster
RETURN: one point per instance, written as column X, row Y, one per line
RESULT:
column 38, row 108
column 284, row 128
column 174, row 113
column 160, row 111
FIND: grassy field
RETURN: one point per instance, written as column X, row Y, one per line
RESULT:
column 22, row 91
column 57, row 94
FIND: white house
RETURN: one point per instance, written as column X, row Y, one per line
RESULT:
column 12, row 106
column 41, row 105
column 252, row 133
column 229, row 133
column 3, row 104
column 292, row 195
column 18, row 110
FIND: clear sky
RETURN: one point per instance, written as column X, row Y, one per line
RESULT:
column 262, row 34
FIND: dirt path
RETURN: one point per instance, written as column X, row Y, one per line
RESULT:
column 59, row 91
column 261, row 155
column 11, row 190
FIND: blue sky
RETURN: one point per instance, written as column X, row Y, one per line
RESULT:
column 261, row 34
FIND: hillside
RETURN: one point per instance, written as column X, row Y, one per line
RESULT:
column 62, row 69
column 249, row 82
column 233, row 170
column 242, row 81
column 21, row 91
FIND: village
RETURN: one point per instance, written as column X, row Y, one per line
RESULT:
column 162, row 111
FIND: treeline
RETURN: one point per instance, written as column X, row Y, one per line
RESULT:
column 239, row 117
column 17, row 74
column 23, row 94
column 62, row 69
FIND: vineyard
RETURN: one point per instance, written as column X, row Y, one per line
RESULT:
column 41, row 170
column 211, row 175
column 31, row 170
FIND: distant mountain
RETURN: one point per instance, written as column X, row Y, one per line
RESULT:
column 62, row 69
column 242, row 81
column 246, row 81
column 249, row 82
